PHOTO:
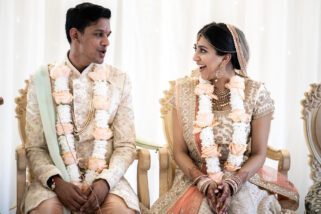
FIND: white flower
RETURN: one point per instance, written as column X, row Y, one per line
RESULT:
column 235, row 160
column 236, row 101
column 61, row 84
column 205, row 104
column 213, row 165
column 101, row 88
column 202, row 81
column 90, row 176
column 64, row 114
column 100, row 149
column 102, row 118
column 67, row 142
column 101, row 143
column 207, row 137
column 74, row 173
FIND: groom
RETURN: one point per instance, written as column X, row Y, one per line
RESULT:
column 80, row 125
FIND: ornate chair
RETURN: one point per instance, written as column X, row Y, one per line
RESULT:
column 23, row 175
column 311, row 115
column 167, row 164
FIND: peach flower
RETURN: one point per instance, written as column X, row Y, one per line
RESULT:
column 64, row 128
column 196, row 129
column 60, row 71
column 98, row 75
column 230, row 167
column 96, row 164
column 205, row 89
column 217, row 176
column 210, row 152
column 70, row 158
column 239, row 115
column 64, row 97
column 237, row 149
column 101, row 103
column 236, row 84
column 102, row 133
column 198, row 126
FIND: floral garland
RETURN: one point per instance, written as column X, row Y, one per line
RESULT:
column 65, row 128
column 205, row 122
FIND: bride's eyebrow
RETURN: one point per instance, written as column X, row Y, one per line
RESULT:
column 201, row 46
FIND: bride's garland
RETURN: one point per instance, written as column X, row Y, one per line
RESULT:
column 205, row 122
column 65, row 126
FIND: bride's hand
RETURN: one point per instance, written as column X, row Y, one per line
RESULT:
column 212, row 195
column 224, row 199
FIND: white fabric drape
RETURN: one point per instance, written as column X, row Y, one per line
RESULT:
column 152, row 41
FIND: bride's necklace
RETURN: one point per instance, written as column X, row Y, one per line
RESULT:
column 223, row 99
column 205, row 122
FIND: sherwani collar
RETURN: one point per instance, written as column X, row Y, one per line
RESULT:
column 75, row 73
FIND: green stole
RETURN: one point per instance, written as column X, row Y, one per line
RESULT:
column 47, row 113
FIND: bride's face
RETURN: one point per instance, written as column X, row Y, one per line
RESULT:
column 206, row 58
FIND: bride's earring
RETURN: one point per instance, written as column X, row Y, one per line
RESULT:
column 219, row 74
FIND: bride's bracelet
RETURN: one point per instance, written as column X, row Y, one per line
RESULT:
column 203, row 182
column 197, row 179
column 235, row 183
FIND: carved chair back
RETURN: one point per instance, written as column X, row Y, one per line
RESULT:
column 311, row 115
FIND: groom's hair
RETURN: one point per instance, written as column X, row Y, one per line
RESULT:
column 83, row 15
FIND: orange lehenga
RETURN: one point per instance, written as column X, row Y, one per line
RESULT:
column 256, row 195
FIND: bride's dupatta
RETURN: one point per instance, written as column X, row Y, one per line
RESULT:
column 274, row 182
column 189, row 202
column 192, row 198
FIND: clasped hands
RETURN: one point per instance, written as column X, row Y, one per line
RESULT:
column 83, row 201
column 219, row 197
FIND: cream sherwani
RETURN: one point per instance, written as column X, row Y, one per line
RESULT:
column 121, row 148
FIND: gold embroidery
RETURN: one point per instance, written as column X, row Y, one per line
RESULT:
column 274, row 188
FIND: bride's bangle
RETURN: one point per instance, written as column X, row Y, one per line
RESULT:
column 197, row 179
column 204, row 183
column 235, row 183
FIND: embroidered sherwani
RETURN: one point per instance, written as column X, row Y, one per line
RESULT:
column 121, row 148
column 250, row 199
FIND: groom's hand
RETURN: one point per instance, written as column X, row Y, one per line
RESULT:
column 96, row 196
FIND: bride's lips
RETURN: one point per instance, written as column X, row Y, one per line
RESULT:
column 202, row 67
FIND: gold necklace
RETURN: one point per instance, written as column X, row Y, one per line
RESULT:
column 79, row 129
column 223, row 99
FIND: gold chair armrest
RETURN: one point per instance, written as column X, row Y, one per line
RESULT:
column 167, row 168
column 163, row 156
column 147, row 145
column 143, row 157
column 21, row 174
column 283, row 158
